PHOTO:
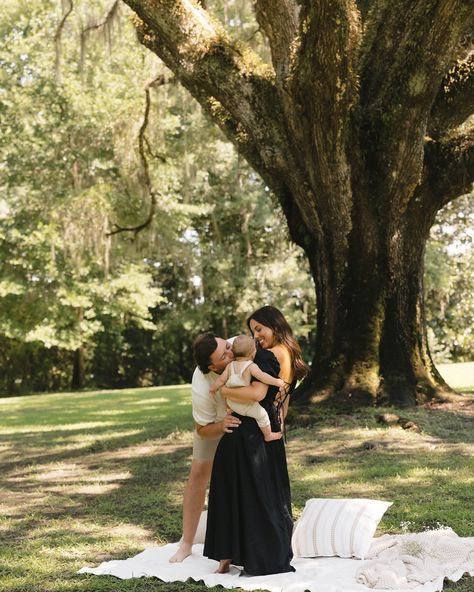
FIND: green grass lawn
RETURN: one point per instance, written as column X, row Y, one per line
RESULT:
column 91, row 476
column 459, row 376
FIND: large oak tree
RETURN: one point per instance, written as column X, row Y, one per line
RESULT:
column 360, row 126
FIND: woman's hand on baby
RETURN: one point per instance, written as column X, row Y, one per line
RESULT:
column 282, row 386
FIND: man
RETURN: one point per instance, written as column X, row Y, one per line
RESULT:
column 212, row 355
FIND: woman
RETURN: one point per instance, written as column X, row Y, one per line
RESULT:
column 271, row 331
column 249, row 511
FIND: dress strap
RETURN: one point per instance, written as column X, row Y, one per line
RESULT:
column 279, row 405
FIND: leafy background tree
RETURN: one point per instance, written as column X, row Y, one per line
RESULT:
column 81, row 305
column 449, row 282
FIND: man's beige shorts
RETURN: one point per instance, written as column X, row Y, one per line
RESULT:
column 204, row 448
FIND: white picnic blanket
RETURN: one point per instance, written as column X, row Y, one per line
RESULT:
column 406, row 561
column 322, row 574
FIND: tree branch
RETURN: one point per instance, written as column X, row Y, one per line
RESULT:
column 297, row 215
column 279, row 19
column 403, row 64
column 142, row 145
column 325, row 63
column 105, row 23
column 449, row 165
column 455, row 100
column 205, row 60
column 57, row 42
column 322, row 91
column 230, row 82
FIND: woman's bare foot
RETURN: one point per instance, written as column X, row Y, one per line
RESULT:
column 273, row 436
column 224, row 565
column 181, row 554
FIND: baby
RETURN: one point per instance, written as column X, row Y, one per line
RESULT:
column 239, row 373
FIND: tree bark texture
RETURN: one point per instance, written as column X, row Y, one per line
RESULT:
column 79, row 368
column 359, row 127
column 79, row 358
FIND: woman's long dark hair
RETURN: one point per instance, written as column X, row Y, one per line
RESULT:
column 271, row 317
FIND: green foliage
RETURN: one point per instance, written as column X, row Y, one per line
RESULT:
column 63, row 279
column 449, row 278
column 71, row 169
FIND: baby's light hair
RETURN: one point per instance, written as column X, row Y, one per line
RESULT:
column 243, row 346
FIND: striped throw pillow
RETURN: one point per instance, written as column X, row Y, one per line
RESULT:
column 342, row 527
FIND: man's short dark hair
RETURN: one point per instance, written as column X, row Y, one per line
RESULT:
column 204, row 346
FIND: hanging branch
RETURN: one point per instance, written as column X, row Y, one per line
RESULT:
column 57, row 43
column 153, row 154
column 158, row 81
column 105, row 23
column 142, row 144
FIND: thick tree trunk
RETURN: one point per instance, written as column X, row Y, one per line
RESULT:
column 371, row 343
column 79, row 360
column 79, row 369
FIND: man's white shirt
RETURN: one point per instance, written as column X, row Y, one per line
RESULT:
column 206, row 408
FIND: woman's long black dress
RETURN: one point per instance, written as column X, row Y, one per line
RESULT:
column 249, row 511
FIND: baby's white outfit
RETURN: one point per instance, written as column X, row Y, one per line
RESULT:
column 236, row 379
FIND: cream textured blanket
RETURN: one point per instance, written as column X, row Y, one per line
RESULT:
column 321, row 574
column 406, row 561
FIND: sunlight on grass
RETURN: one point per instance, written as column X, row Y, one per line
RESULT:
column 97, row 489
column 154, row 400
column 458, row 375
column 50, row 428
column 334, row 474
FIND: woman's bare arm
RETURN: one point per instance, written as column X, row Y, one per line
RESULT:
column 265, row 377
column 245, row 394
column 286, row 373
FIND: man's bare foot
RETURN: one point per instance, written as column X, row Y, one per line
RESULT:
column 273, row 436
column 224, row 565
column 181, row 554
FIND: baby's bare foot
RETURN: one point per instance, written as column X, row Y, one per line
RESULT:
column 273, row 436
column 181, row 554
column 224, row 565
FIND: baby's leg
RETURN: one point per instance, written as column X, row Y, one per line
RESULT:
column 269, row 435
column 263, row 421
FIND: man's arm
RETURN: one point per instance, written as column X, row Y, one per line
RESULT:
column 245, row 394
column 214, row 430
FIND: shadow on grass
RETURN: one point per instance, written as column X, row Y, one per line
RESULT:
column 447, row 425
column 105, row 489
